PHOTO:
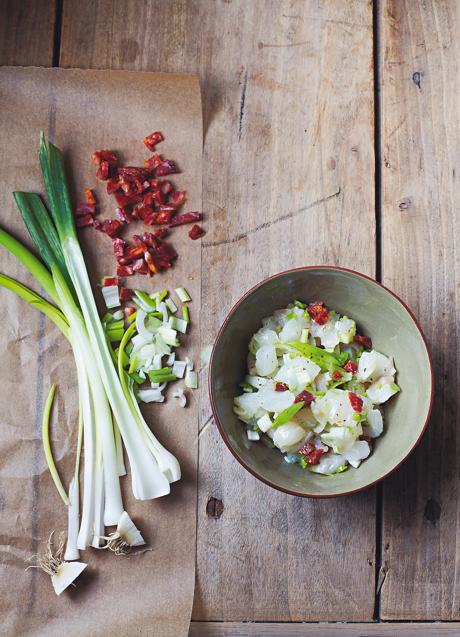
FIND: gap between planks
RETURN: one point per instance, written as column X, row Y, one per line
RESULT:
column 387, row 629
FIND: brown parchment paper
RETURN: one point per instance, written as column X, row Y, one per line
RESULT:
column 149, row 593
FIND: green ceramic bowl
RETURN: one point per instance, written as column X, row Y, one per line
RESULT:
column 394, row 331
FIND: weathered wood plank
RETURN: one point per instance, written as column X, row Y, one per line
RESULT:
column 221, row 629
column 421, row 155
column 288, row 180
column 27, row 32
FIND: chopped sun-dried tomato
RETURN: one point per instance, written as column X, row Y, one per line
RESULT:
column 131, row 254
column 355, row 401
column 113, row 185
column 139, row 242
column 166, row 187
column 153, row 161
column 350, row 366
column 124, row 270
column 127, row 200
column 318, row 312
column 185, row 217
column 102, row 172
column 151, row 239
column 364, row 340
column 151, row 140
column 129, row 311
column 119, row 246
column 167, row 167
column 123, row 215
column 163, row 217
column 140, row 266
column 126, row 294
column 311, row 455
column 90, row 198
column 105, row 155
column 281, row 387
column 150, row 263
column 111, row 227
column 109, row 280
column 85, row 209
column 304, row 397
column 368, row 439
column 133, row 172
column 196, row 232
column 337, row 375
column 85, row 220
column 177, row 198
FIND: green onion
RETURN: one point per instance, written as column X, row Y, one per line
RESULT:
column 191, row 379
column 144, row 301
column 185, row 313
column 105, row 396
column 299, row 304
column 291, row 315
column 287, row 414
column 172, row 307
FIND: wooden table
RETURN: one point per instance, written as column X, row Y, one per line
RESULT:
column 332, row 137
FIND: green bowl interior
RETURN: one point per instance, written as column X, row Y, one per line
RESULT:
column 378, row 314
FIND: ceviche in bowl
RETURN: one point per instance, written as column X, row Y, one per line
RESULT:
column 320, row 381
column 314, row 388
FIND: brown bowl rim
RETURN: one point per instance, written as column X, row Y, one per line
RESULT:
column 214, row 409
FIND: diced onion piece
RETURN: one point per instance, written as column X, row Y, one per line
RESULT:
column 168, row 335
column 359, row 451
column 181, row 397
column 178, row 368
column 288, row 435
column 66, row 574
column 329, row 464
column 111, row 296
column 383, row 389
column 150, row 395
column 252, row 435
column 266, row 360
column 374, row 365
column 374, row 426
column 182, row 295
column 164, row 310
column 264, row 423
column 170, row 360
column 191, row 379
column 141, row 327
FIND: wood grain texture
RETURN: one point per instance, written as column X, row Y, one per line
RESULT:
column 221, row 629
column 289, row 180
column 421, row 262
column 27, row 32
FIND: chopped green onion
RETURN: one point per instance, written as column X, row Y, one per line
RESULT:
column 299, row 304
column 182, row 295
column 132, row 317
column 118, row 315
column 247, row 387
column 133, row 364
column 287, row 414
column 144, row 301
column 172, row 307
column 291, row 315
column 178, row 324
column 137, row 378
column 185, row 313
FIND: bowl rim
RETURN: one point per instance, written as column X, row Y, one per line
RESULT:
column 214, row 408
